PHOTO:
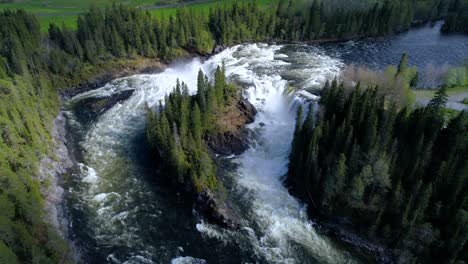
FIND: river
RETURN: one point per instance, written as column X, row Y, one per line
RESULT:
column 118, row 214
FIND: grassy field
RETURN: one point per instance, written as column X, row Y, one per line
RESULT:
column 67, row 11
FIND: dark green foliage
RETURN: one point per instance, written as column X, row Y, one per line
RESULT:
column 457, row 17
column 400, row 175
column 125, row 32
column 28, row 104
column 27, row 108
column 19, row 40
column 175, row 132
column 32, row 65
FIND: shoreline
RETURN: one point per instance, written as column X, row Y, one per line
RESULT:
column 60, row 160
column 51, row 170
column 101, row 77
column 127, row 67
column 55, row 194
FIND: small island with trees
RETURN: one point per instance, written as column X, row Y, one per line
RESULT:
column 185, row 133
column 367, row 161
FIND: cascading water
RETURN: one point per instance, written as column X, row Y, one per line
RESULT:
column 118, row 215
column 121, row 217
column 282, row 234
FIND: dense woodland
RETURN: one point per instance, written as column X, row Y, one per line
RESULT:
column 457, row 17
column 34, row 66
column 176, row 131
column 391, row 172
column 27, row 107
column 120, row 32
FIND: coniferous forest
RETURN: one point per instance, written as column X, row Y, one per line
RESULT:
column 398, row 170
column 397, row 174
column 176, row 131
column 457, row 17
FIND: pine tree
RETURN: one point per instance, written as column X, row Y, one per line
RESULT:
column 201, row 92
column 197, row 129
column 219, row 86
column 403, row 66
column 439, row 100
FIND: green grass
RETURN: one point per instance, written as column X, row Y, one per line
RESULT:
column 60, row 6
column 68, row 20
column 205, row 7
column 465, row 101
column 67, row 11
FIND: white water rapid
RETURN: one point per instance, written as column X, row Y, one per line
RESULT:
column 284, row 232
column 275, row 229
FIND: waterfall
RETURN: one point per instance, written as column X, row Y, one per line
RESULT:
column 121, row 208
column 284, row 234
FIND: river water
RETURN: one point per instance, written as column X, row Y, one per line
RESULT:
column 119, row 214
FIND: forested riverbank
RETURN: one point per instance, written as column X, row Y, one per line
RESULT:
column 184, row 134
column 457, row 17
column 34, row 67
column 370, row 162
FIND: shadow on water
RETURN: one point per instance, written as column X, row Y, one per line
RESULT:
column 120, row 212
column 165, row 226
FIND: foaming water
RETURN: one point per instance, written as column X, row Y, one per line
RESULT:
column 121, row 217
column 283, row 233
column 112, row 201
column 118, row 215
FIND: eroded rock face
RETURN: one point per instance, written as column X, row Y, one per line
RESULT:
column 107, row 75
column 234, row 138
column 91, row 108
column 217, row 49
column 217, row 211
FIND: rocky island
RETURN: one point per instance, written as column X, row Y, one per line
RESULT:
column 187, row 131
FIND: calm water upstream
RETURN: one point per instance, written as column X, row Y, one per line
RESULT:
column 118, row 214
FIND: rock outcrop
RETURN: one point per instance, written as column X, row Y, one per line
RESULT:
column 216, row 211
column 233, row 138
column 90, row 108
column 108, row 74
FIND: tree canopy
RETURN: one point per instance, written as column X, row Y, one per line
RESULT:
column 399, row 174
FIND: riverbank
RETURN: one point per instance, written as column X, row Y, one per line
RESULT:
column 58, row 162
column 51, row 168
column 97, row 76
column 160, row 80
column 455, row 99
column 207, row 202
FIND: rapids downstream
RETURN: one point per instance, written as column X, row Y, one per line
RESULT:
column 118, row 214
column 123, row 217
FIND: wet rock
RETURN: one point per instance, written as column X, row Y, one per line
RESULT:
column 217, row 211
column 234, row 139
column 379, row 252
column 248, row 110
column 229, row 143
column 89, row 108
column 102, row 104
column 52, row 168
column 217, row 49
column 107, row 75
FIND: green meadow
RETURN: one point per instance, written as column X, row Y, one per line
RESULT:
column 67, row 11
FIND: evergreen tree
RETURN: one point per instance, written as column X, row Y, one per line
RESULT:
column 197, row 129
column 439, row 100
column 402, row 161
